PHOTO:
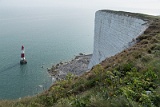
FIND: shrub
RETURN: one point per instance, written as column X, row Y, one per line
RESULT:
column 156, row 100
column 144, row 41
column 145, row 100
column 80, row 101
column 157, row 47
column 146, row 58
column 150, row 75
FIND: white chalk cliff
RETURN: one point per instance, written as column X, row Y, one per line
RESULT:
column 114, row 31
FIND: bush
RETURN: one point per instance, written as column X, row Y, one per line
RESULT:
column 146, row 58
column 156, row 100
column 145, row 100
column 80, row 101
column 150, row 75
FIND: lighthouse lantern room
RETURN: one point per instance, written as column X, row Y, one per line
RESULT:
column 23, row 60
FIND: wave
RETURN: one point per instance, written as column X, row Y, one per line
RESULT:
column 8, row 68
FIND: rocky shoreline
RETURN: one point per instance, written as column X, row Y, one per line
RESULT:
column 76, row 66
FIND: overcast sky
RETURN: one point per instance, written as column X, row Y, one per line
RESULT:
column 146, row 6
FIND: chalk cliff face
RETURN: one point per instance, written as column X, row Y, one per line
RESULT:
column 114, row 31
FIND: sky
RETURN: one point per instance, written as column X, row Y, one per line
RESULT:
column 141, row 6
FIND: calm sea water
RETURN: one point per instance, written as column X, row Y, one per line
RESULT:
column 49, row 36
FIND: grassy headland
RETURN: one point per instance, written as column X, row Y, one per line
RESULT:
column 128, row 79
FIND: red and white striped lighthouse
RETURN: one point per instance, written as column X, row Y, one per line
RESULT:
column 23, row 60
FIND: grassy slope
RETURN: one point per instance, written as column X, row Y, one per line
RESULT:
column 119, row 81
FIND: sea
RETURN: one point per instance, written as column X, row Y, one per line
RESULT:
column 49, row 36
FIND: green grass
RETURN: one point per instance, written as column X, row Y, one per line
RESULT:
column 119, row 81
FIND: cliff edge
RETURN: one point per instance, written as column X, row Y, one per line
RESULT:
column 114, row 32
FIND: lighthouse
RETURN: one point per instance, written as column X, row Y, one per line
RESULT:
column 23, row 60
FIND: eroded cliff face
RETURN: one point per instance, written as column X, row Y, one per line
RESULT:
column 114, row 32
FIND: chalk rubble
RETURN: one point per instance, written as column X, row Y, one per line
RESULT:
column 76, row 66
